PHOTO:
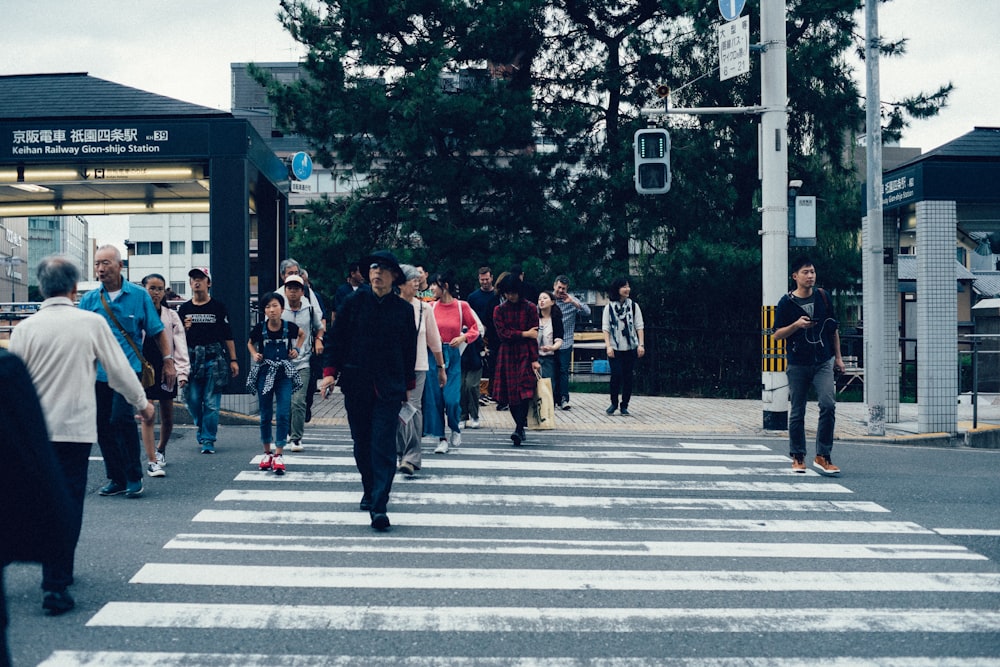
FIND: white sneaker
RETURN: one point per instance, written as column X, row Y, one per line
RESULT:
column 296, row 446
column 153, row 469
column 472, row 423
column 442, row 447
column 161, row 458
column 456, row 439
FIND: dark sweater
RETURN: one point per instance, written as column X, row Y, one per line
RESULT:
column 373, row 345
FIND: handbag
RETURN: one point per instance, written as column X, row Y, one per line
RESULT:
column 542, row 414
column 148, row 372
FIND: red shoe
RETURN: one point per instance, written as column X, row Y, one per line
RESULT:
column 278, row 465
column 265, row 463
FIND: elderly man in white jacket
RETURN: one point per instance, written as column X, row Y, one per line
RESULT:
column 61, row 346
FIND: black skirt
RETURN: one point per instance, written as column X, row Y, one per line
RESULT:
column 151, row 351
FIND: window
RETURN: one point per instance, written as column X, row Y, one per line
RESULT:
column 179, row 288
column 177, row 247
column 199, row 247
column 149, row 247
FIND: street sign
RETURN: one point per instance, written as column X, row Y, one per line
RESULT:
column 731, row 9
column 302, row 166
column 734, row 48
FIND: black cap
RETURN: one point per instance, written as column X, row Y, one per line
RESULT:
column 386, row 258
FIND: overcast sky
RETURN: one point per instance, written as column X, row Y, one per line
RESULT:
column 183, row 49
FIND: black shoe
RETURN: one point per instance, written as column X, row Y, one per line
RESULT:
column 625, row 412
column 502, row 406
column 133, row 489
column 112, row 489
column 380, row 522
column 515, row 437
column 57, row 602
column 611, row 409
column 365, row 505
column 524, row 436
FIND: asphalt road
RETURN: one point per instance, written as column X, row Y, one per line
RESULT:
column 579, row 549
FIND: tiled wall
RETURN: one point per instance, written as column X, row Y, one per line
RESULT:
column 937, row 326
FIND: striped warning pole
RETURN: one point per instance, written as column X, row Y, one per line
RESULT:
column 773, row 378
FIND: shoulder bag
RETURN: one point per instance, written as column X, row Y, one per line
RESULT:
column 148, row 372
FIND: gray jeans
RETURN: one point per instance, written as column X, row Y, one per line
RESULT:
column 800, row 378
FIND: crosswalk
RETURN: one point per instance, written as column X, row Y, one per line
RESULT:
column 577, row 550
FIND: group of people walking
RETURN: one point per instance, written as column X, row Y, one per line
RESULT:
column 97, row 367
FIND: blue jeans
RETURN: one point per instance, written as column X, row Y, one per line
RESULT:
column 281, row 393
column 373, row 424
column 800, row 378
column 439, row 402
column 202, row 402
column 117, row 435
column 561, row 389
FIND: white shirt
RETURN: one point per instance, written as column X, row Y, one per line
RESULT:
column 61, row 345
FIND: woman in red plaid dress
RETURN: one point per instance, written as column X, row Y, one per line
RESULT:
column 514, row 378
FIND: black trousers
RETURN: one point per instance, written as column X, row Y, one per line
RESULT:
column 73, row 457
column 117, row 435
column 622, row 368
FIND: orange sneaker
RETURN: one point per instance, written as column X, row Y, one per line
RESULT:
column 799, row 463
column 825, row 466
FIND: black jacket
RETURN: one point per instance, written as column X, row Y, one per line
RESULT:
column 373, row 345
column 32, row 487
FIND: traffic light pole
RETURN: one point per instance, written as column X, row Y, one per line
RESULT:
column 773, row 159
column 773, row 151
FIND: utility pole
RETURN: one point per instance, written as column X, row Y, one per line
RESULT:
column 874, row 287
column 773, row 152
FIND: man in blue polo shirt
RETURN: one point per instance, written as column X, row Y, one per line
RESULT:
column 133, row 314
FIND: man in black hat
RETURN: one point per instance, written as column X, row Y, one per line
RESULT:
column 371, row 354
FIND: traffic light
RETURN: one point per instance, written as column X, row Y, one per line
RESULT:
column 652, row 161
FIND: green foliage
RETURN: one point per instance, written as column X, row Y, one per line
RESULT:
column 526, row 155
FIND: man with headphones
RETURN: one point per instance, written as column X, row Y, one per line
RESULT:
column 805, row 319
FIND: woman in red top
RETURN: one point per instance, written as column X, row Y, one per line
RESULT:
column 457, row 324
column 514, row 379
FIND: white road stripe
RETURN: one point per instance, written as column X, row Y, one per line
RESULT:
column 543, row 620
column 572, row 547
column 967, row 531
column 597, row 482
column 630, row 454
column 136, row 659
column 287, row 576
column 492, row 521
column 603, row 468
column 552, row 501
column 567, row 447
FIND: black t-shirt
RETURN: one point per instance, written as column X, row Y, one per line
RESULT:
column 209, row 322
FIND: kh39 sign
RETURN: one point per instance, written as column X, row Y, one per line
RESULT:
column 75, row 140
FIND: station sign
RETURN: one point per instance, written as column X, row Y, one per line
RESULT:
column 35, row 141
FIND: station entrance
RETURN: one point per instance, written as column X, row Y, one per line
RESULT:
column 76, row 145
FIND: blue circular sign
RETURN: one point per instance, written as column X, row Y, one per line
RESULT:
column 302, row 166
column 731, row 9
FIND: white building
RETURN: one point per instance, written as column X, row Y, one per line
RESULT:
column 168, row 244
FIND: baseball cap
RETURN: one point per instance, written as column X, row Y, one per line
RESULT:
column 200, row 269
column 294, row 279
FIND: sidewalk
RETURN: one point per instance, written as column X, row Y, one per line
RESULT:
column 727, row 417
